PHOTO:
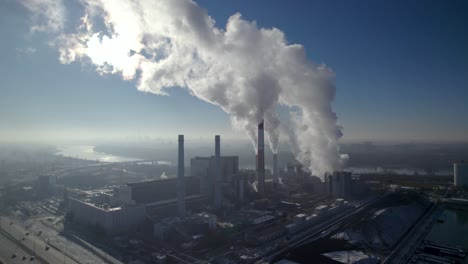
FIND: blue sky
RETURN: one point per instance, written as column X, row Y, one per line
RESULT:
column 401, row 75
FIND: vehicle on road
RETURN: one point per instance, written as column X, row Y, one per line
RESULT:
column 13, row 256
column 32, row 258
column 23, row 258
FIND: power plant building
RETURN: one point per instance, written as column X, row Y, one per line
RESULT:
column 111, row 219
column 460, row 174
column 204, row 168
column 338, row 184
column 200, row 167
column 156, row 190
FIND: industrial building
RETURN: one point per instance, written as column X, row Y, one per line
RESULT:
column 216, row 181
column 204, row 168
column 239, row 185
column 215, row 172
column 460, row 174
column 112, row 219
column 338, row 184
column 156, row 190
column 200, row 167
column 294, row 174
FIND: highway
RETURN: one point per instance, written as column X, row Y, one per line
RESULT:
column 8, row 248
column 31, row 243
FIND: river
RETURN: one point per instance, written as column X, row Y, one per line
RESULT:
column 87, row 152
column 453, row 231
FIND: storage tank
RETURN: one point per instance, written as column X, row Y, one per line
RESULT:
column 460, row 174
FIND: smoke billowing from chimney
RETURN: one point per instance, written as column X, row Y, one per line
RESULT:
column 261, row 160
column 275, row 168
column 244, row 69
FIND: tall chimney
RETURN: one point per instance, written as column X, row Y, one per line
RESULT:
column 218, row 196
column 275, row 167
column 181, row 180
column 261, row 160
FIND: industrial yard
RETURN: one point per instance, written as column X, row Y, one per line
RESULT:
column 136, row 215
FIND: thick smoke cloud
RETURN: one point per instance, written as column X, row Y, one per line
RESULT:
column 244, row 69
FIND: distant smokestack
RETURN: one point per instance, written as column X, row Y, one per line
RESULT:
column 275, row 167
column 218, row 194
column 181, row 180
column 261, row 160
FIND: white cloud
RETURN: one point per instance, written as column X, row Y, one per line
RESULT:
column 47, row 15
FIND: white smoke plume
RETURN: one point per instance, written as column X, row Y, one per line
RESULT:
column 244, row 69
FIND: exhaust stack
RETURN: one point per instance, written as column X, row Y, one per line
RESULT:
column 275, row 168
column 181, row 180
column 218, row 196
column 261, row 160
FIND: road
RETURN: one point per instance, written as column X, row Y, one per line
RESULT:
column 8, row 248
column 33, row 244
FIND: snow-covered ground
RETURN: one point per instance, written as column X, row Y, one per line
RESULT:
column 383, row 229
column 355, row 257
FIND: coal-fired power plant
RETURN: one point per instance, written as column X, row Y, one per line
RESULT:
column 181, row 179
column 261, row 160
column 246, row 96
column 218, row 199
